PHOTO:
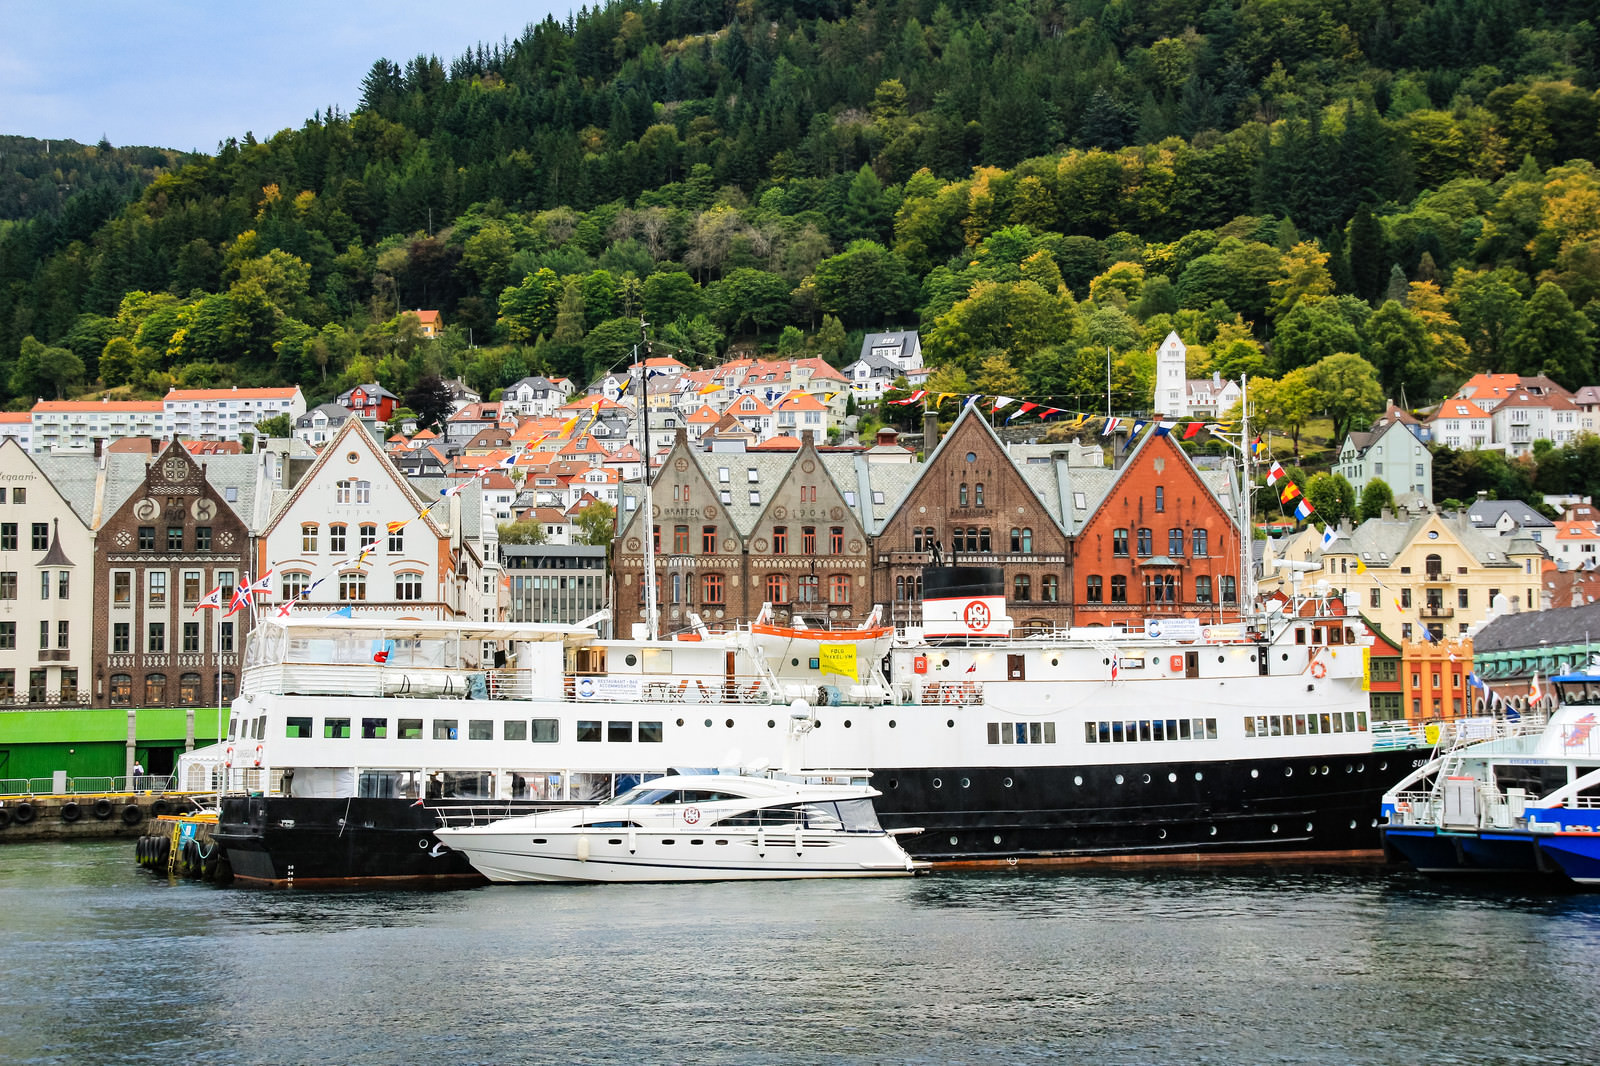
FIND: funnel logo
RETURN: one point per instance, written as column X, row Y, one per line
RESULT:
column 976, row 615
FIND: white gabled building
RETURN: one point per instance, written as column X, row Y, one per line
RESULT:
column 440, row 564
column 1172, row 375
column 224, row 414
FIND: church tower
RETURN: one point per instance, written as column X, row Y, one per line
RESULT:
column 1172, row 372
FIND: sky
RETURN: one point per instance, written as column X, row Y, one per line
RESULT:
column 187, row 74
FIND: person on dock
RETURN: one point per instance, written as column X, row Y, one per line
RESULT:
column 138, row 772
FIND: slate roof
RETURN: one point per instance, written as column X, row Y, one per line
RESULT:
column 1486, row 513
column 1558, row 625
column 1379, row 540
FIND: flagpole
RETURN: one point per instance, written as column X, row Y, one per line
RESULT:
column 643, row 400
column 1247, row 592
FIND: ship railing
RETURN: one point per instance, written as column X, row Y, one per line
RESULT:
column 378, row 680
column 1393, row 736
column 1415, row 808
column 741, row 688
column 951, row 694
column 488, row 813
column 80, row 786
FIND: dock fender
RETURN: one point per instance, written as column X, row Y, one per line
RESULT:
column 23, row 813
column 160, row 807
column 102, row 808
column 5, row 817
column 71, row 812
column 132, row 815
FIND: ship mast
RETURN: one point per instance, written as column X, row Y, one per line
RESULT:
column 642, row 398
column 1247, row 583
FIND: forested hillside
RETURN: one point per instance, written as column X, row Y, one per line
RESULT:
column 1320, row 193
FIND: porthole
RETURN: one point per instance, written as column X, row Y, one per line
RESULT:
column 1325, row 771
column 1285, row 656
column 1198, row 776
column 1274, row 827
column 669, row 840
column 966, row 782
column 1222, row 659
column 796, row 662
column 1308, row 827
column 952, row 841
column 771, row 724
column 817, row 724
column 950, row 723
column 997, row 838
column 1255, row 773
column 1055, row 662
column 697, row 841
column 631, row 659
column 1383, row 765
column 730, row 723
column 891, row 723
column 1077, row 781
column 1288, row 771
column 724, row 842
column 1213, row 831
column 1374, row 823
column 708, row 723
column 614, row 840
column 938, row 783
column 1352, row 823
column 1105, row 662
column 680, row 723
column 1155, row 660
column 1173, row 778
column 352, row 457
column 1349, row 769
column 540, row 840
column 1007, row 782
column 847, row 723
column 1161, row 834
column 1119, row 779
column 1147, row 779
column 1361, row 767
column 1312, row 771
column 944, row 662
column 894, row 784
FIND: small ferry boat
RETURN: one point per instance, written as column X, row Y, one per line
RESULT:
column 694, row 827
column 1517, row 796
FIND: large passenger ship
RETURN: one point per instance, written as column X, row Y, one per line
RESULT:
column 1179, row 742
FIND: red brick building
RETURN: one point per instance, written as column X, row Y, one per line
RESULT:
column 1160, row 543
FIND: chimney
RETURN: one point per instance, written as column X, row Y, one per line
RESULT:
column 806, row 438
column 99, row 446
column 155, row 445
column 887, row 435
column 930, row 432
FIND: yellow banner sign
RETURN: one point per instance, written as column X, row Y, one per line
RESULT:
column 839, row 659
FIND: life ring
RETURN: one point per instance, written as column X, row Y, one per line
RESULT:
column 102, row 808
column 228, row 759
column 260, row 750
column 1176, row 662
column 1318, row 670
column 23, row 813
column 132, row 815
column 71, row 812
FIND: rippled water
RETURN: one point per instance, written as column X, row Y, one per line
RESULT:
column 102, row 963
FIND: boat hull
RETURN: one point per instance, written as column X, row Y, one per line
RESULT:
column 1451, row 852
column 1576, row 854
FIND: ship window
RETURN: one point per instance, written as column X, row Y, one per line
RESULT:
column 1249, row 725
column 444, row 729
column 1116, row 732
column 619, row 732
column 374, row 728
column 517, row 730
column 1088, row 732
column 994, row 732
column 545, row 730
column 298, row 728
column 1183, row 729
column 336, row 729
column 588, row 732
column 480, row 729
column 1105, row 732
column 410, row 729
column 650, row 732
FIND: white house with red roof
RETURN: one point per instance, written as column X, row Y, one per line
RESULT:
column 473, row 419
column 627, row 461
column 800, row 411
column 702, row 421
column 1523, row 417
column 1488, row 391
column 1461, row 424
column 74, row 425
column 17, row 425
column 755, row 416
column 223, row 414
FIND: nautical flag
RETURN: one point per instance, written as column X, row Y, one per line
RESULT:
column 1303, row 510
column 569, row 425
column 1048, row 411
column 1474, row 681
column 1274, row 473
column 241, row 597
column 1192, row 428
column 262, row 584
column 1111, row 426
column 1138, row 425
column 395, row 527
column 1290, row 491
column 1162, row 429
column 453, row 490
column 1535, row 693
column 1113, row 669
column 943, row 396
column 1426, row 636
column 1256, row 447
column 212, row 601
column 1361, row 567
column 715, row 386
column 509, row 461
column 1002, row 401
column 286, row 606
column 382, row 654
column 1024, row 409
column 1328, row 537
column 915, row 397
column 343, row 612
column 972, row 668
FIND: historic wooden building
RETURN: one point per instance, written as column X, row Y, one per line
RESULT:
column 1161, row 543
column 177, row 536
column 973, row 505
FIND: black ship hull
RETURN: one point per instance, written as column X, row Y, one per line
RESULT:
column 1307, row 809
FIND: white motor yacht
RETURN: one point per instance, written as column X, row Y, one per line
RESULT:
column 695, row 827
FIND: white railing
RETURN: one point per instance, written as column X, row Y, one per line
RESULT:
column 741, row 688
column 77, row 786
column 307, row 679
column 952, row 693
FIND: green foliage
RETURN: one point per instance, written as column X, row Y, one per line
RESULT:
column 277, row 426
column 597, row 524
column 1332, row 496
column 1374, row 498
column 527, row 531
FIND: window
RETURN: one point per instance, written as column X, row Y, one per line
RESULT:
column 44, row 634
column 121, row 690
column 1119, row 542
column 1022, row 588
column 1119, row 589
column 977, row 494
column 225, row 637
column 147, row 538
column 120, row 638
column 808, row 540
column 191, row 586
column 444, row 729
column 369, row 537
column 41, row 536
column 544, row 730
column 336, row 538
column 408, row 587
column 755, row 497
column 69, row 684
column 8, row 537
column 1162, row 588
column 308, row 538
column 63, row 584
column 155, row 690
column 753, row 476
column 808, row 588
column 44, row 584
column 336, row 729
column 1161, row 499
column 352, row 587
column 189, row 686
column 722, row 474
column 8, row 636
column 677, row 588
column 480, row 729
column 1230, row 593
column 293, row 585
column 1146, row 542
column 1175, row 543
column 191, row 636
column 353, row 492
column 780, row 540
column 680, row 540
column 708, row 540
column 711, row 589
column 156, row 637
column 8, row 585
column 174, row 538
column 1092, row 589
column 397, row 542
column 1202, row 589
column 777, row 588
column 202, row 538
column 157, row 589
column 1405, row 598
column 1050, row 588
column 836, row 540
column 655, row 539
column 962, row 495
column 839, row 589
column 18, row 496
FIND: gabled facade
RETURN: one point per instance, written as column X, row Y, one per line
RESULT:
column 1160, row 544
column 1391, row 453
column 371, row 401
column 1172, row 372
column 536, row 396
column 971, row 506
column 1461, row 424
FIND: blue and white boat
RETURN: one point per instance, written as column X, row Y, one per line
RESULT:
column 1516, row 796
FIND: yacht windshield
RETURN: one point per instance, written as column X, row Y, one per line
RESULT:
column 642, row 795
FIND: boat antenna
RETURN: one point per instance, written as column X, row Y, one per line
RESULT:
column 642, row 398
column 1247, row 584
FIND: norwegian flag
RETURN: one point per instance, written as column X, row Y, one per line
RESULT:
column 213, row 601
column 241, row 597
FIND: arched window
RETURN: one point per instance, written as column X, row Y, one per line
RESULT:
column 352, row 587
column 977, row 495
column 1175, row 542
column 121, row 690
column 369, row 536
column 1433, row 565
column 1022, row 588
column 155, row 690
column 1198, row 546
column 677, row 588
column 1050, row 588
column 1146, row 541
column 984, row 540
column 408, row 586
column 1027, row 541
column 962, row 501
column 839, row 589
column 1016, row 540
column 336, row 537
column 189, row 689
column 1093, row 589
column 1119, row 542
column 809, row 587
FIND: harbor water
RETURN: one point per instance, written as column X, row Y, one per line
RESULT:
column 102, row 963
